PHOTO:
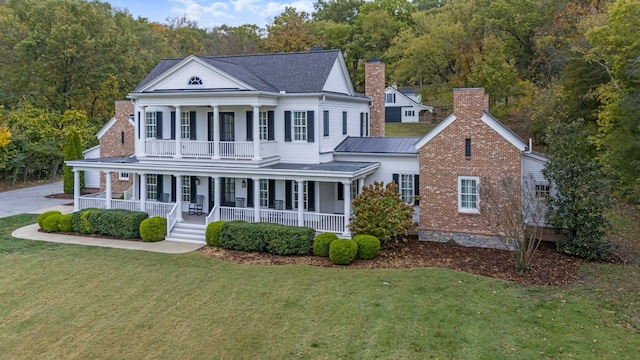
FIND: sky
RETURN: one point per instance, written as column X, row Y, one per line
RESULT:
column 210, row 13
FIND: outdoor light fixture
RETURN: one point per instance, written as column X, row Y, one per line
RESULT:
column 197, row 181
column 244, row 183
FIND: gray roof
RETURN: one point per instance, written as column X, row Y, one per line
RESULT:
column 339, row 166
column 301, row 72
column 115, row 160
column 378, row 145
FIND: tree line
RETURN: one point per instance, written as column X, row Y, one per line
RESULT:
column 543, row 62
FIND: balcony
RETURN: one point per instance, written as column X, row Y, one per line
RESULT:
column 235, row 150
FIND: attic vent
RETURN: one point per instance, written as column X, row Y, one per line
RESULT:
column 195, row 80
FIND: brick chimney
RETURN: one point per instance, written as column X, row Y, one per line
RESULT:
column 470, row 102
column 374, row 88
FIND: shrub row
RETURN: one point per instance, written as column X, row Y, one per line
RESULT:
column 344, row 251
column 123, row 224
column 274, row 238
column 54, row 221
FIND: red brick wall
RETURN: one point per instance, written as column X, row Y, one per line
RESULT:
column 443, row 159
column 111, row 144
column 374, row 88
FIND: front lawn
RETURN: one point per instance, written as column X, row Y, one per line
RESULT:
column 65, row 301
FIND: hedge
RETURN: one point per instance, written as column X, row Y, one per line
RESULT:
column 322, row 242
column 212, row 234
column 153, row 229
column 66, row 223
column 274, row 238
column 123, row 224
column 368, row 246
column 52, row 223
column 343, row 251
column 46, row 215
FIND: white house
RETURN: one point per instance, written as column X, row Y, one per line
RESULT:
column 403, row 105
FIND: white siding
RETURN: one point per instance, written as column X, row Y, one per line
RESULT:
column 300, row 152
column 92, row 178
column 336, row 80
column 335, row 108
column 533, row 167
column 210, row 79
column 406, row 104
column 389, row 165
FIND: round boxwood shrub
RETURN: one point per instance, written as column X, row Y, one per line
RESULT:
column 153, row 229
column 322, row 242
column 343, row 251
column 368, row 246
column 212, row 235
column 52, row 223
column 46, row 215
column 65, row 223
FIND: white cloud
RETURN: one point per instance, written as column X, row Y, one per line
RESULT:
column 273, row 9
column 205, row 15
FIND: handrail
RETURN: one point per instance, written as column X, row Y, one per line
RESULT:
column 128, row 194
column 172, row 218
column 212, row 213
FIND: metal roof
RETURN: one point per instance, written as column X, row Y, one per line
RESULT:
column 378, row 145
column 339, row 166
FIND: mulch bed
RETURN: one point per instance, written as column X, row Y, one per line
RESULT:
column 549, row 267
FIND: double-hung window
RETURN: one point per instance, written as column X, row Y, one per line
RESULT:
column 300, row 125
column 389, row 98
column 264, row 193
column 152, row 186
column 263, row 125
column 406, row 188
column 468, row 200
column 542, row 191
column 151, row 124
column 186, row 188
column 185, row 125
column 304, row 194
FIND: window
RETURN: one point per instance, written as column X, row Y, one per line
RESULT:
column 354, row 189
column 263, row 125
column 468, row 194
column 390, row 98
column 229, row 190
column 124, row 176
column 122, row 137
column 542, row 191
column 344, row 123
column 299, row 125
column 304, row 194
column 264, row 193
column 151, row 124
column 406, row 188
column 326, row 123
column 409, row 113
column 152, row 186
column 185, row 125
column 186, row 188
column 467, row 147
column 195, row 80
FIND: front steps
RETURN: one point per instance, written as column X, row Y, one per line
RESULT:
column 187, row 232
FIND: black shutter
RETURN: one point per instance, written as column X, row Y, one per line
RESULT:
column 396, row 179
column 367, row 126
column 173, row 189
column 194, row 188
column 270, row 125
column 158, row 125
column 361, row 124
column 160, row 187
column 416, row 189
column 223, row 192
column 394, row 98
column 210, row 185
column 310, row 127
column 249, row 125
column 311, row 195
column 250, row 193
column 287, row 126
column 192, row 125
column 288, row 196
column 340, row 191
column 173, row 125
column 325, row 123
column 272, row 193
column 140, row 124
column 209, row 126
column 344, row 123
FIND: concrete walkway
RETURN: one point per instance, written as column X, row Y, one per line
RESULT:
column 31, row 232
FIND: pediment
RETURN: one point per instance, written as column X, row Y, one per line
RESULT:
column 338, row 80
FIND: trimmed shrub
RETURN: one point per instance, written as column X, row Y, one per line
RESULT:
column 240, row 235
column 46, row 215
column 52, row 223
column 81, row 223
column 212, row 235
column 153, row 229
column 123, row 224
column 368, row 246
column 322, row 242
column 65, row 223
column 343, row 251
column 274, row 238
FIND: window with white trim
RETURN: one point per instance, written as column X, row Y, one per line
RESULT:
column 152, row 186
column 185, row 125
column 195, row 80
column 124, row 176
column 151, row 124
column 389, row 98
column 186, row 188
column 468, row 194
column 354, row 189
column 542, row 191
column 264, row 193
column 406, row 188
column 409, row 113
column 305, row 195
column 300, row 125
column 263, row 125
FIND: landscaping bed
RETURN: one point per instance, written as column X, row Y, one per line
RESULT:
column 548, row 268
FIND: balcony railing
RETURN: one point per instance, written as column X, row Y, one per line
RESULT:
column 205, row 149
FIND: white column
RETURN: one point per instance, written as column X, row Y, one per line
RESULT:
column 143, row 131
column 300, row 202
column 178, row 192
column 256, row 199
column 109, row 193
column 178, row 130
column 256, row 133
column 216, row 197
column 346, row 190
column 143, row 191
column 216, row 132
column 76, row 190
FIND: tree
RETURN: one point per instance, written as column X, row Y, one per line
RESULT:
column 581, row 191
column 380, row 211
column 234, row 40
column 291, row 31
column 72, row 151
column 337, row 11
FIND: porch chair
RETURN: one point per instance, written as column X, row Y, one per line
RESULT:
column 164, row 197
column 196, row 208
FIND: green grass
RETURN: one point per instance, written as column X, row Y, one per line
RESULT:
column 65, row 301
column 407, row 129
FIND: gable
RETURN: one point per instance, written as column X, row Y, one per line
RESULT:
column 403, row 100
column 338, row 80
column 179, row 76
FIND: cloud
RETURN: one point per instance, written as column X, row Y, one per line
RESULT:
column 273, row 9
column 205, row 15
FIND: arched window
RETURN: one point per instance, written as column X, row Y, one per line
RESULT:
column 195, row 80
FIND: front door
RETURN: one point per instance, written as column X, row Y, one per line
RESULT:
column 227, row 126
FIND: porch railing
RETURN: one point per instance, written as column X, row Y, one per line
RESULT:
column 131, row 205
column 236, row 149
column 172, row 218
column 282, row 217
column 204, row 149
column 197, row 149
column 95, row 200
column 324, row 222
column 211, row 217
column 158, row 208
column 129, row 193
column 160, row 147
column 233, row 213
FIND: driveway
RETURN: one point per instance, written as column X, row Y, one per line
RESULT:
column 30, row 199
